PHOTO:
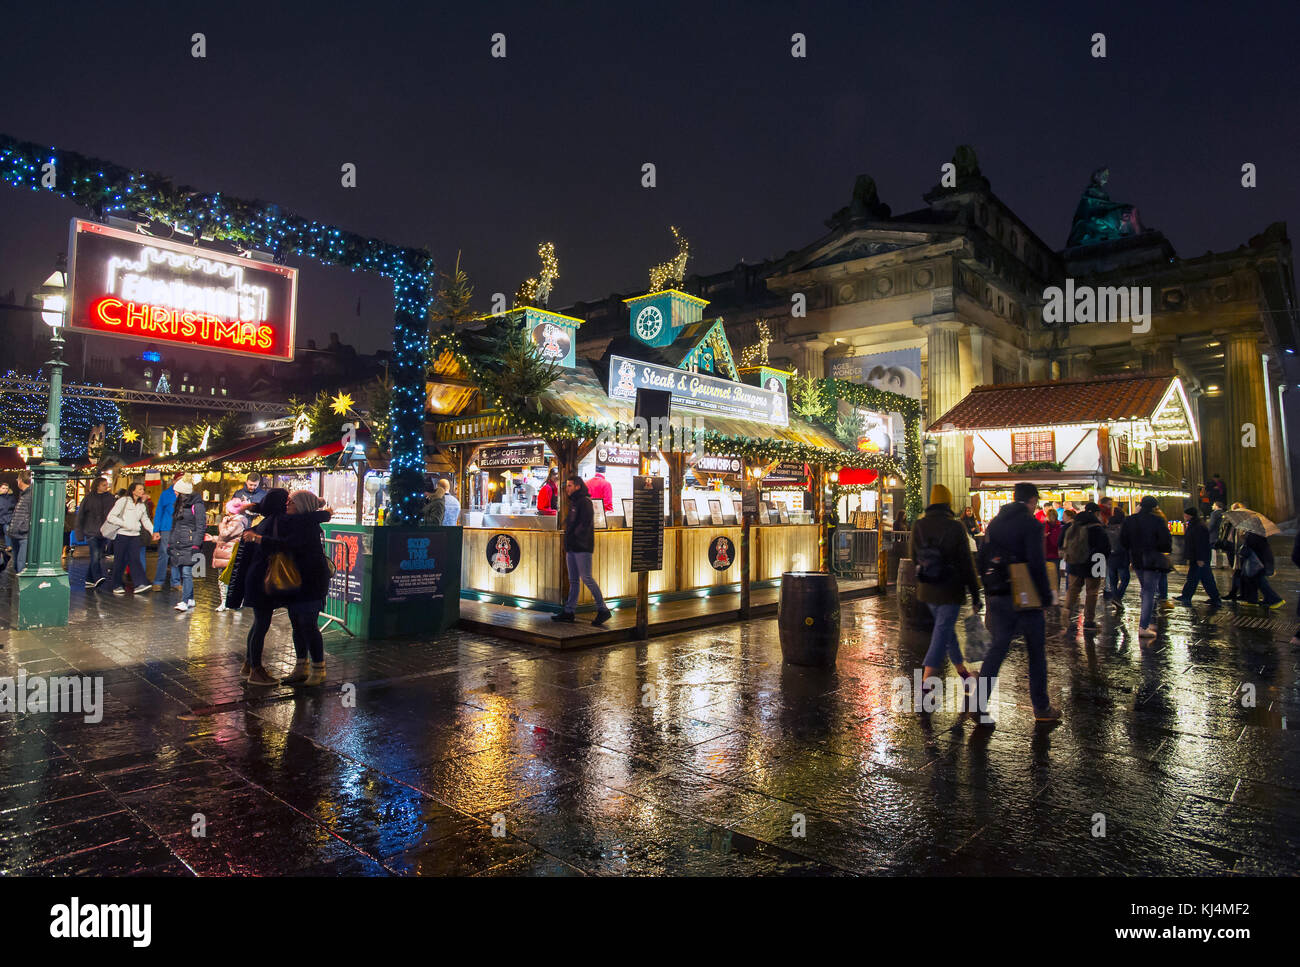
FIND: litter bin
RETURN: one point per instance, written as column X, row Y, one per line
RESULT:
column 808, row 616
column 910, row 607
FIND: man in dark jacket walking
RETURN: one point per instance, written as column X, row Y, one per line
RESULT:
column 1086, row 550
column 1145, row 535
column 1196, row 539
column 92, row 513
column 579, row 543
column 8, row 500
column 945, row 572
column 20, row 525
column 1117, row 564
column 1015, row 536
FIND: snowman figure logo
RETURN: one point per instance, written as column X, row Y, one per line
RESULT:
column 551, row 342
column 501, row 562
column 626, row 372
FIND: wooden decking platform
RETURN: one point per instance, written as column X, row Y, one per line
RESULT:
column 669, row 617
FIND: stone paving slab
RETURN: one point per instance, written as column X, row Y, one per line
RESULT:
column 698, row 754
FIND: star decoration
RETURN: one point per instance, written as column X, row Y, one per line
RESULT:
column 342, row 403
column 130, row 436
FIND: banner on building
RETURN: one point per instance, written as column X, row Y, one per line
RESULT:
column 897, row 371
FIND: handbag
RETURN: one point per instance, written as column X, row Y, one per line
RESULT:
column 1251, row 566
column 1024, row 592
column 108, row 529
column 1156, row 561
column 282, row 575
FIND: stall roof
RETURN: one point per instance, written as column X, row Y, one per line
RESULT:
column 1090, row 400
column 676, row 352
column 199, row 458
column 580, row 394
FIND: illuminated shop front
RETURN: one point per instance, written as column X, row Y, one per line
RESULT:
column 730, row 433
column 1125, row 437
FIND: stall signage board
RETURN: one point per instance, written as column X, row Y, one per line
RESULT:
column 608, row 455
column 647, row 523
column 787, row 472
column 718, row 463
column 697, row 393
column 524, row 455
column 349, row 567
column 159, row 291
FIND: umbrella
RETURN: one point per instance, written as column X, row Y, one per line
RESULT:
column 1249, row 522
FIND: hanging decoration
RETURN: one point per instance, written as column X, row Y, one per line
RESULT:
column 342, row 404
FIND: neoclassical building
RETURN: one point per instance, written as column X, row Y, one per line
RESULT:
column 965, row 281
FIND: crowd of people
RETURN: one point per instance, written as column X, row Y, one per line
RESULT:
column 267, row 554
column 1017, row 564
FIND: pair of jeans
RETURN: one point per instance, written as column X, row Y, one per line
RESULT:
column 128, row 551
column 944, row 638
column 1090, row 585
column 1164, row 585
column 307, row 640
column 1259, row 583
column 1200, row 574
column 579, row 563
column 187, row 583
column 1150, row 581
column 1004, row 623
column 160, row 573
column 97, row 547
column 1117, row 579
column 20, row 553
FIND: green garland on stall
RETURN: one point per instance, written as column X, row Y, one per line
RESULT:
column 883, row 401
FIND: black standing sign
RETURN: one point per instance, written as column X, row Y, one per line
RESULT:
column 647, row 523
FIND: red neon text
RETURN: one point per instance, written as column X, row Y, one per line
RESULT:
column 111, row 314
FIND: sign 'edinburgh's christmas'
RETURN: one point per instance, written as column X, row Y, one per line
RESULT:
column 125, row 284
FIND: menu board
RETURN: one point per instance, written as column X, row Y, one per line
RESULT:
column 647, row 523
column 693, row 518
column 598, row 514
column 627, row 512
column 737, row 508
column 715, row 512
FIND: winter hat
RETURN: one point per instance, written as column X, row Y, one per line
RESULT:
column 305, row 502
column 1150, row 503
column 939, row 494
column 183, row 487
column 234, row 505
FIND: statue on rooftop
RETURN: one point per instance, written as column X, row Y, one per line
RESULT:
column 1098, row 219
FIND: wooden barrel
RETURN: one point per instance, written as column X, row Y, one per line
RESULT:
column 808, row 615
column 910, row 608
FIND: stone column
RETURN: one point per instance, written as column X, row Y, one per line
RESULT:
column 944, row 370
column 810, row 357
column 1250, row 469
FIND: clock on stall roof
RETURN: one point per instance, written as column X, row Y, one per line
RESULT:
column 649, row 323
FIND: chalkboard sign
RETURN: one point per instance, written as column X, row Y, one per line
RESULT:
column 647, row 523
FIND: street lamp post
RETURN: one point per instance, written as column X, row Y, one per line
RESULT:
column 43, row 590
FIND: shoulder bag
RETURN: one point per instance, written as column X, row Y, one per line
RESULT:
column 108, row 528
column 282, row 574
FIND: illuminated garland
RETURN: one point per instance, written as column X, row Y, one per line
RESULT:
column 883, row 401
column 107, row 189
column 22, row 415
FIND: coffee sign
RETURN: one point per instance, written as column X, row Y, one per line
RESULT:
column 525, row 455
column 159, row 291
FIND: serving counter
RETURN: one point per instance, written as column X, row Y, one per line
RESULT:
column 523, row 566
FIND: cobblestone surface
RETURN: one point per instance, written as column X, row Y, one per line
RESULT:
column 699, row 753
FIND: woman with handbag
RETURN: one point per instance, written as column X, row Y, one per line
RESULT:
column 129, row 516
column 274, row 578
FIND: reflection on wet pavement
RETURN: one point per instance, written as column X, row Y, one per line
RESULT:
column 697, row 754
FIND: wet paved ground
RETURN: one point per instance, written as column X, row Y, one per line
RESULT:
column 694, row 754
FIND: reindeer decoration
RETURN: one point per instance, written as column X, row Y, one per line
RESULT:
column 671, row 273
column 537, row 291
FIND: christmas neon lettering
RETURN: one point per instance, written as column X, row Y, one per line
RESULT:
column 111, row 314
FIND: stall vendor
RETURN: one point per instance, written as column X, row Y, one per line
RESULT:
column 548, row 498
column 601, row 490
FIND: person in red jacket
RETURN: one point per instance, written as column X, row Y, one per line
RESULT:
column 601, row 490
column 548, row 498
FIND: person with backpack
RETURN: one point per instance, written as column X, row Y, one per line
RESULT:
column 945, row 571
column 1117, row 564
column 1145, row 535
column 1015, row 536
column 1086, row 551
column 92, row 513
column 1196, row 540
column 189, row 525
column 162, row 521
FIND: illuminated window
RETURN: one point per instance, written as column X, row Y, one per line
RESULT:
column 1038, row 445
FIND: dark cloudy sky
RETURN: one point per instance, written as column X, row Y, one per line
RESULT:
column 456, row 150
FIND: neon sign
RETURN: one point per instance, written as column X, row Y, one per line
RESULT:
column 131, row 285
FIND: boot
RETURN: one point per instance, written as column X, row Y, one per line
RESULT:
column 316, row 674
column 298, row 675
column 245, row 670
column 259, row 676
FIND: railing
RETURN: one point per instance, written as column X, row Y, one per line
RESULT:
column 342, row 620
column 855, row 553
column 40, row 387
column 478, row 427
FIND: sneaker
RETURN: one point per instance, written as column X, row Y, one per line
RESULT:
column 90, row 584
column 1146, row 632
column 119, row 590
column 601, row 617
column 190, row 602
column 221, row 607
column 99, row 582
column 1049, row 714
column 564, row 616
column 258, row 676
column 157, row 587
column 1277, row 607
column 182, row 606
column 142, row 589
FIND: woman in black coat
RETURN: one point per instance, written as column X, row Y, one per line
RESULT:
column 288, row 528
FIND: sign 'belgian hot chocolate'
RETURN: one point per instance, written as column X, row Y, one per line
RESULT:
column 139, row 287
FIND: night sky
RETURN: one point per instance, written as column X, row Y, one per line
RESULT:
column 754, row 149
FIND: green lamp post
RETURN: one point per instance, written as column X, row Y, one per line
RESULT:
column 43, row 590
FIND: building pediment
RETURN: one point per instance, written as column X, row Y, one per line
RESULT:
column 855, row 246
